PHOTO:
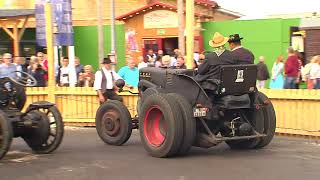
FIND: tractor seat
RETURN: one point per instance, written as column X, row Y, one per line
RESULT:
column 237, row 80
column 234, row 86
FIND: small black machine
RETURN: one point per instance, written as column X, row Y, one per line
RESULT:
column 41, row 124
column 176, row 113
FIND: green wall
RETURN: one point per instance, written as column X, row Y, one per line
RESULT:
column 267, row 37
column 86, row 44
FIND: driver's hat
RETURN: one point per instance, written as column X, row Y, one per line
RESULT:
column 218, row 40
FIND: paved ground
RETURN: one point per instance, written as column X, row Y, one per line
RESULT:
column 83, row 156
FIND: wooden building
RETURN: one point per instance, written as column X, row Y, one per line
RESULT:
column 148, row 23
column 155, row 25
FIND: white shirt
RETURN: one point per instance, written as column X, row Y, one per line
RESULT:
column 65, row 75
column 98, row 79
column 237, row 48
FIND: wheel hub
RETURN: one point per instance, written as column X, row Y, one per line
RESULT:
column 111, row 123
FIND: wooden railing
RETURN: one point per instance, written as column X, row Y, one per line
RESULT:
column 298, row 111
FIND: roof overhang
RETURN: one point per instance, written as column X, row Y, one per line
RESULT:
column 16, row 13
column 152, row 6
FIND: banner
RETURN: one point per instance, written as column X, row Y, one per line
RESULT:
column 40, row 23
column 62, row 22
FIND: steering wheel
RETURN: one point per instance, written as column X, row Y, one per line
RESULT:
column 23, row 79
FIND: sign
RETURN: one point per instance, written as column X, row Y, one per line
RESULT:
column 160, row 19
column 62, row 22
column 40, row 23
column 240, row 76
column 161, row 32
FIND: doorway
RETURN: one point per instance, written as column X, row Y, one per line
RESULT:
column 169, row 44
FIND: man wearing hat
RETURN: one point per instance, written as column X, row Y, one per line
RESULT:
column 210, row 69
column 104, row 82
column 244, row 55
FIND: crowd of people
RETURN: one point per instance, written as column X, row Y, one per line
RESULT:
column 291, row 73
column 285, row 75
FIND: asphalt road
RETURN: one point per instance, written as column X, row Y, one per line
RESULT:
column 83, row 156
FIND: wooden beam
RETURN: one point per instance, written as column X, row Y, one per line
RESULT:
column 190, row 32
column 21, row 32
column 7, row 30
column 50, row 53
column 16, row 48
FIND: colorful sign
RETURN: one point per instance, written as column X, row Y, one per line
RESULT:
column 161, row 19
column 131, row 40
column 62, row 22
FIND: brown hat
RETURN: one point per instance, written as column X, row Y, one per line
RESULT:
column 106, row 61
column 218, row 40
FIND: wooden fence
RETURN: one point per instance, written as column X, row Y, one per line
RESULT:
column 298, row 111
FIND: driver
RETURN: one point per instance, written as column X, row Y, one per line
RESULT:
column 7, row 68
column 210, row 68
column 104, row 82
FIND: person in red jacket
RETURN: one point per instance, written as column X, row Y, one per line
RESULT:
column 291, row 70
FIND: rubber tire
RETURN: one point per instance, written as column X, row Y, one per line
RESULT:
column 6, row 130
column 147, row 93
column 125, row 123
column 39, row 149
column 21, row 97
column 189, row 123
column 169, row 108
column 267, row 114
column 269, row 123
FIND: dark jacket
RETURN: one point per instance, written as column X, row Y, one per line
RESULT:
column 244, row 55
column 262, row 72
column 210, row 69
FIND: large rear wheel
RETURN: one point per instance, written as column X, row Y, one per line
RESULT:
column 113, row 123
column 263, row 119
column 189, row 123
column 269, row 122
column 161, row 125
column 48, row 134
column 5, row 134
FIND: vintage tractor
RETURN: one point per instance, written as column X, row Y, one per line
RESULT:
column 41, row 124
column 175, row 112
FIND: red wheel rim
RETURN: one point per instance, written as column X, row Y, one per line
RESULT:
column 155, row 129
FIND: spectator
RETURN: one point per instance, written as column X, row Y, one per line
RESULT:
column 43, row 61
column 315, row 73
column 64, row 73
column 7, row 68
column 153, row 63
column 176, row 54
column 20, row 64
column 151, row 56
column 160, row 55
column 78, row 66
column 142, row 62
column 262, row 73
column 166, row 61
column 291, row 70
column 300, row 60
column 277, row 80
column 33, row 60
column 86, row 78
column 180, row 63
column 35, row 69
column 130, row 73
column 104, row 82
column 306, row 72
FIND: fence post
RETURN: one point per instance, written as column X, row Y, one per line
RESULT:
column 49, row 39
